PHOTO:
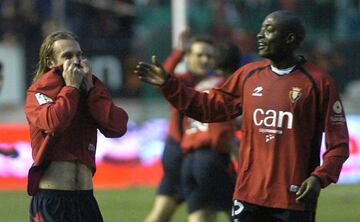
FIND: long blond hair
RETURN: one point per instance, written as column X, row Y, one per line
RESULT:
column 47, row 50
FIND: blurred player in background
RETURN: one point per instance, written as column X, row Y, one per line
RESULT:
column 65, row 106
column 208, row 175
column 287, row 103
column 228, row 60
column 198, row 53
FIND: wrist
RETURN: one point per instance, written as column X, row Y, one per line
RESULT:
column 76, row 86
column 89, row 88
column 166, row 79
column 318, row 179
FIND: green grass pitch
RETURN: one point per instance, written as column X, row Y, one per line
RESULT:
column 338, row 203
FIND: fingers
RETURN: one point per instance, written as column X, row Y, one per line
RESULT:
column 145, row 67
column 152, row 73
column 70, row 66
column 85, row 62
column 85, row 65
column 72, row 74
column 66, row 64
column 142, row 68
column 302, row 192
column 309, row 189
column 154, row 60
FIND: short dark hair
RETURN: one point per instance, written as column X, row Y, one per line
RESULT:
column 200, row 38
column 293, row 23
column 228, row 56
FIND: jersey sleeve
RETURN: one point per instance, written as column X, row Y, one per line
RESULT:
column 111, row 120
column 336, row 135
column 173, row 60
column 53, row 115
column 217, row 105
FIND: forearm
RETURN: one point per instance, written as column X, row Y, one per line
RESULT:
column 205, row 107
column 334, row 159
column 52, row 116
column 111, row 120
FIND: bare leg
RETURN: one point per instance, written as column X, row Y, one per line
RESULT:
column 163, row 209
column 202, row 216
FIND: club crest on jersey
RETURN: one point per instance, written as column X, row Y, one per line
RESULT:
column 294, row 94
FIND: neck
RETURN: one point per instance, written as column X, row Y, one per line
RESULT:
column 284, row 62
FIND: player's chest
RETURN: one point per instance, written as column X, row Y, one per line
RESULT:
column 269, row 91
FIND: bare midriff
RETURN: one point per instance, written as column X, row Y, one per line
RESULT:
column 67, row 175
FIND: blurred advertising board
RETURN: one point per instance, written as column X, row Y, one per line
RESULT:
column 133, row 159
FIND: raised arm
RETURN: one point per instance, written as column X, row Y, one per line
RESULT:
column 51, row 115
column 178, row 53
column 50, row 105
column 111, row 120
column 219, row 104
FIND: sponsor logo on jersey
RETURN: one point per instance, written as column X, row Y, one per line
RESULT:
column 294, row 94
column 337, row 108
column 273, row 118
column 272, row 122
column 337, row 117
column 42, row 99
column 257, row 91
column 269, row 137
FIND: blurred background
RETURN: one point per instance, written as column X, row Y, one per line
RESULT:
column 116, row 34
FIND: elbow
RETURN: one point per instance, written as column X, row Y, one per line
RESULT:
column 121, row 132
column 118, row 129
column 56, row 129
column 123, row 124
column 54, row 125
column 116, row 133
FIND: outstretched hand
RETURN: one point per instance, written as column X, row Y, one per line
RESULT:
column 152, row 73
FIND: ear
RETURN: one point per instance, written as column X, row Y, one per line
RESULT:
column 290, row 38
column 50, row 63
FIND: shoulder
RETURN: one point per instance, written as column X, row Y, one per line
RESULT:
column 319, row 76
column 248, row 69
column 48, row 81
column 260, row 64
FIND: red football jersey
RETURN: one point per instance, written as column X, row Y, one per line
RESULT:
column 283, row 121
column 175, row 128
column 211, row 135
column 72, row 120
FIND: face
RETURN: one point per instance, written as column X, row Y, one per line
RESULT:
column 200, row 59
column 272, row 38
column 65, row 49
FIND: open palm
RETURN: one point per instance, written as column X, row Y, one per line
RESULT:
column 152, row 73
